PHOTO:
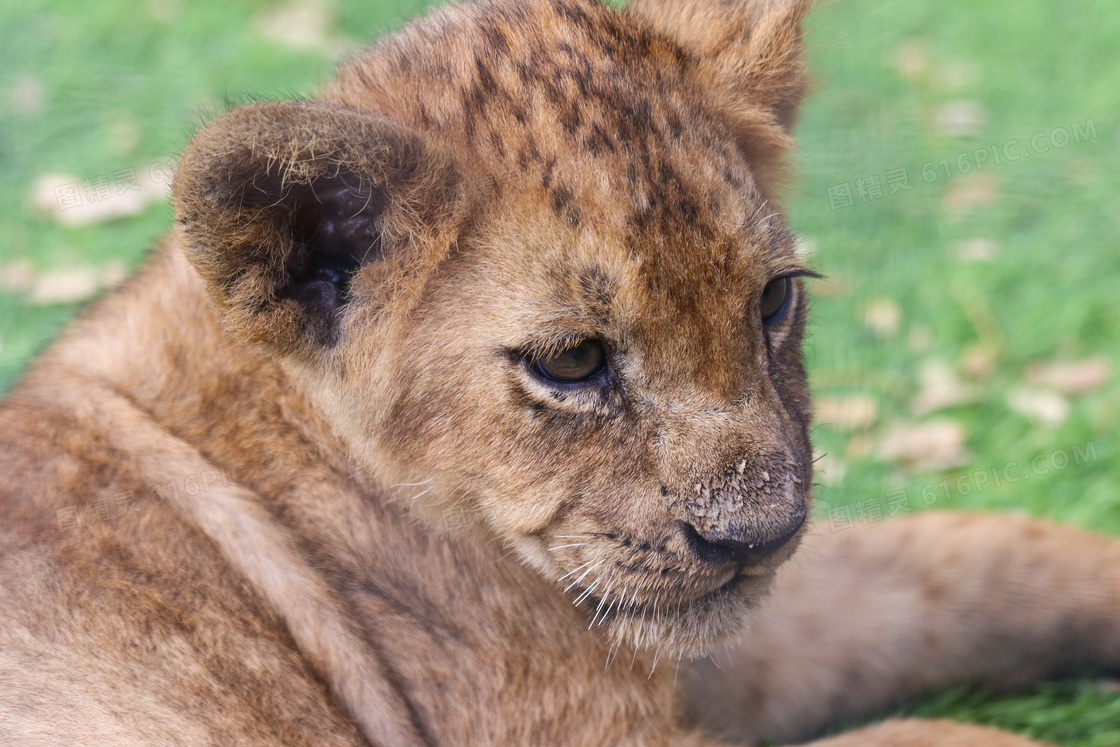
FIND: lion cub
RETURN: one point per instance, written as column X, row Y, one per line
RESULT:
column 463, row 395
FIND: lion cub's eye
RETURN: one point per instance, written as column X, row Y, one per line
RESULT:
column 577, row 363
column 775, row 298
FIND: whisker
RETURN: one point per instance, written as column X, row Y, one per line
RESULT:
column 656, row 658
column 601, row 603
column 584, row 574
column 613, row 603
column 561, row 547
column 587, row 592
column 412, row 484
column 611, row 652
column 573, row 571
column 634, row 600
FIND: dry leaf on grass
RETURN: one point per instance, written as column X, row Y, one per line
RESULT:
column 18, row 276
column 65, row 286
column 929, row 445
column 941, row 388
column 978, row 362
column 165, row 10
column 1070, row 377
column 955, row 74
column 305, row 25
column 920, row 338
column 830, row 286
column 967, row 191
column 1042, row 406
column 860, row 447
column 977, row 250
column 960, row 119
column 911, row 60
column 847, row 413
column 64, row 199
column 28, row 96
column 68, row 285
column 883, row 316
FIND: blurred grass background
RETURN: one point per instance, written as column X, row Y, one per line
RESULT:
column 963, row 347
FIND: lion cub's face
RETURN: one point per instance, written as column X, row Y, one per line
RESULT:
column 524, row 260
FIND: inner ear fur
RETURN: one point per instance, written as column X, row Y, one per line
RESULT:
column 751, row 60
column 278, row 205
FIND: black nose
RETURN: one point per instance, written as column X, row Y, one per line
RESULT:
column 741, row 548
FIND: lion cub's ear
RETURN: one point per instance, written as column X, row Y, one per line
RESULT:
column 280, row 204
column 752, row 59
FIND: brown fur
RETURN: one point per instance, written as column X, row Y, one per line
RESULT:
column 298, row 482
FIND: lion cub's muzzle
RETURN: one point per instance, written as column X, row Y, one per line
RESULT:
column 745, row 547
column 745, row 514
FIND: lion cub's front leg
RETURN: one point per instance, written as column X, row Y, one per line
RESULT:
column 922, row 733
column 864, row 618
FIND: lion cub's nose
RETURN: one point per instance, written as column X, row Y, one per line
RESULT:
column 744, row 547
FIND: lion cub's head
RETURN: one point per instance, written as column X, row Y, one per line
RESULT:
column 526, row 255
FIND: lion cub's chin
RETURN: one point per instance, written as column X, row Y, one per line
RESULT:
column 683, row 628
column 676, row 614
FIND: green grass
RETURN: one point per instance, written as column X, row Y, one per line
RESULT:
column 122, row 84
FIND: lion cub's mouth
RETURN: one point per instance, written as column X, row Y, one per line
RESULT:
column 606, row 607
column 677, row 592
